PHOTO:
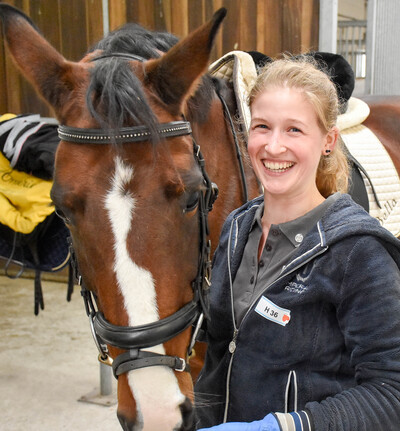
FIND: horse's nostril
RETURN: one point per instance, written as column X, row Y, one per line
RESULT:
column 126, row 424
column 187, row 415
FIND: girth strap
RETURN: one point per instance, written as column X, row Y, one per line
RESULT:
column 152, row 334
column 135, row 359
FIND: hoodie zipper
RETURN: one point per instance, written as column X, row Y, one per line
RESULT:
column 232, row 344
column 232, row 348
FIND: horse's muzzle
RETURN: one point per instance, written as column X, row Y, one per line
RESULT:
column 188, row 419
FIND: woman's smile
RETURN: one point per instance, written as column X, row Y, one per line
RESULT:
column 277, row 166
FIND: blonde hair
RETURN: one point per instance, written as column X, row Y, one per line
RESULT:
column 303, row 73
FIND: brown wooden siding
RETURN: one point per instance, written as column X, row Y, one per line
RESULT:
column 269, row 26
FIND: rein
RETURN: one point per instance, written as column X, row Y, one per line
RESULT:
column 237, row 147
column 135, row 338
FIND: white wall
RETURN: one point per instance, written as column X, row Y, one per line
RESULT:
column 383, row 39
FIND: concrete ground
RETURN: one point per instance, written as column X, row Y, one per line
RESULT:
column 49, row 362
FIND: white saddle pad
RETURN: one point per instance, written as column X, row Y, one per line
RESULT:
column 373, row 157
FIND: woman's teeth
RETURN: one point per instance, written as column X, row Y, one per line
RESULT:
column 278, row 166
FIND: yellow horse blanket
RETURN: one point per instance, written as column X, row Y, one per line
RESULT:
column 24, row 199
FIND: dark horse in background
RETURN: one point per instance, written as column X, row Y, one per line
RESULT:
column 131, row 185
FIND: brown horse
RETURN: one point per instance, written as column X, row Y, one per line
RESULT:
column 131, row 185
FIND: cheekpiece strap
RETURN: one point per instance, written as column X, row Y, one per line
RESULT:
column 123, row 135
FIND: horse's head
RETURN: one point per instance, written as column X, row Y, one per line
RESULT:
column 130, row 185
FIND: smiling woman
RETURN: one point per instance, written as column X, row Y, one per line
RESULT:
column 291, row 342
column 293, row 114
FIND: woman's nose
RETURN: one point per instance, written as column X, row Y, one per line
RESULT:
column 275, row 144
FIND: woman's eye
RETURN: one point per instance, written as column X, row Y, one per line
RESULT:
column 294, row 129
column 191, row 202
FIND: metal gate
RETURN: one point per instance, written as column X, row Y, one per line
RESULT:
column 351, row 44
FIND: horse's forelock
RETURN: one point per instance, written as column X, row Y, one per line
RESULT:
column 115, row 96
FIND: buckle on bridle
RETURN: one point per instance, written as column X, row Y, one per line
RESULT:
column 107, row 360
column 103, row 357
column 182, row 366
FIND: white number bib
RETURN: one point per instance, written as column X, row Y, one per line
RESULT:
column 273, row 312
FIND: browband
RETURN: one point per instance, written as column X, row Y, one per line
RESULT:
column 123, row 135
column 123, row 55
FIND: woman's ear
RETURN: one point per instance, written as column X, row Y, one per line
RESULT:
column 330, row 140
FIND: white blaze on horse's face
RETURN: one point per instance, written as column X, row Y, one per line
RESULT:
column 153, row 386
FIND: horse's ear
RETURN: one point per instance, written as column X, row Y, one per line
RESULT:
column 46, row 69
column 175, row 75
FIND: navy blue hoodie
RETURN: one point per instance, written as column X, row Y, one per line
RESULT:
column 339, row 355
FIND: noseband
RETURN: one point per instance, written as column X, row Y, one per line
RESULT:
column 135, row 338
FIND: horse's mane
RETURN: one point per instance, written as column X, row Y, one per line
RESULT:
column 115, row 96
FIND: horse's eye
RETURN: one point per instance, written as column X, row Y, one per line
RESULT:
column 62, row 216
column 191, row 202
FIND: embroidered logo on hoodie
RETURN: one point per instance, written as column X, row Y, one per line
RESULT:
column 296, row 287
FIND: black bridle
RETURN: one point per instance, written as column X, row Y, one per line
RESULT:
column 135, row 338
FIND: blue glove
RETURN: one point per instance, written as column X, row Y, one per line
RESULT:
column 269, row 423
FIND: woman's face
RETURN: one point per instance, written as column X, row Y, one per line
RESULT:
column 286, row 143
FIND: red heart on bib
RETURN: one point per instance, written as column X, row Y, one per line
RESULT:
column 285, row 318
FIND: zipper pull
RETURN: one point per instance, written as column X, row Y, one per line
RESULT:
column 232, row 344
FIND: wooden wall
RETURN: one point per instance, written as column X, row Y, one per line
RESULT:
column 69, row 25
column 269, row 26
